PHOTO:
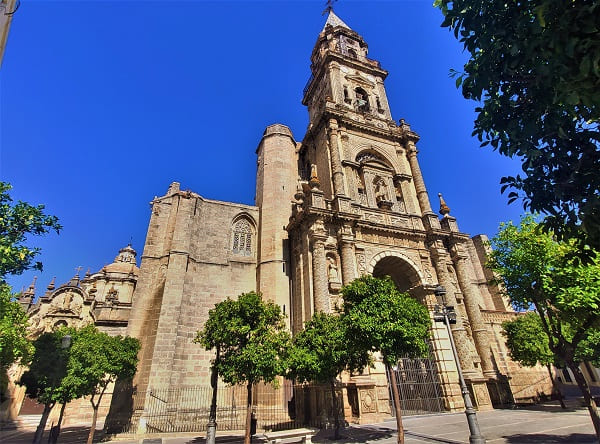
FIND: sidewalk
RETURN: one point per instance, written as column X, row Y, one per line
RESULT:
column 545, row 424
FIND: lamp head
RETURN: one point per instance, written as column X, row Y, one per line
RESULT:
column 440, row 295
column 66, row 341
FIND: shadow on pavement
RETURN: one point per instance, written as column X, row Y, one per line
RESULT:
column 355, row 434
column 541, row 438
column 68, row 435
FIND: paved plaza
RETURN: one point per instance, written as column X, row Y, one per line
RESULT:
column 545, row 424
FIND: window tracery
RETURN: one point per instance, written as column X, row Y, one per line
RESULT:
column 243, row 234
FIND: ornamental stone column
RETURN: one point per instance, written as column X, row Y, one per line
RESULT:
column 346, row 240
column 471, row 301
column 422, row 196
column 319, row 268
column 440, row 261
column 336, row 161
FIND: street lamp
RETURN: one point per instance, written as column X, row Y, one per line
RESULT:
column 446, row 314
column 211, row 428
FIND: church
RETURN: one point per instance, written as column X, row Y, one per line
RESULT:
column 348, row 199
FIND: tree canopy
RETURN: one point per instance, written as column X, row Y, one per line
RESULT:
column 17, row 221
column 14, row 345
column 534, row 68
column 322, row 351
column 381, row 318
column 527, row 341
column 539, row 272
column 252, row 340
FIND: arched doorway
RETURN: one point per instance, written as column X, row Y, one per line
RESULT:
column 418, row 379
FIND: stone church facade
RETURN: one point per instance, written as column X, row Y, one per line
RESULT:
column 348, row 200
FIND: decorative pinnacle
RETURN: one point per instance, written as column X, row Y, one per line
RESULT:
column 51, row 286
column 31, row 290
column 444, row 208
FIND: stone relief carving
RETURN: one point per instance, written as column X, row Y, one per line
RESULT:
column 368, row 401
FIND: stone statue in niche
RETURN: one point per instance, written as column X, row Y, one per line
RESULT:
column 381, row 195
column 332, row 270
column 68, row 299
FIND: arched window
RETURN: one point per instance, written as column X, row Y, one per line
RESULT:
column 352, row 53
column 242, row 238
column 362, row 100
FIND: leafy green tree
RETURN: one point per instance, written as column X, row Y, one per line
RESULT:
column 321, row 352
column 252, row 340
column 43, row 379
column 534, row 68
column 14, row 346
column 539, row 272
column 380, row 318
column 95, row 361
column 17, row 221
column 528, row 345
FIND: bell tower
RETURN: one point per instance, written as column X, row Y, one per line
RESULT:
column 361, row 207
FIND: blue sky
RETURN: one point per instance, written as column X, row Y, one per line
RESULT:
column 103, row 104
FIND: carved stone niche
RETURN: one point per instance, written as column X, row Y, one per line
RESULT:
column 333, row 273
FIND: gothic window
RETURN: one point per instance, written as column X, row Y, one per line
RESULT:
column 243, row 234
column 362, row 100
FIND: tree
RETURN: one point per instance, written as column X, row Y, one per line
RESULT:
column 95, row 361
column 380, row 318
column 528, row 345
column 14, row 346
column 321, row 352
column 252, row 340
column 534, row 68
column 538, row 271
column 17, row 221
column 43, row 379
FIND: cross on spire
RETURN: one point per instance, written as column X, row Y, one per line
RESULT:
column 329, row 7
column 77, row 270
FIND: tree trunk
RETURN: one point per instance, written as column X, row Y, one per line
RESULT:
column 555, row 386
column 39, row 432
column 94, row 419
column 248, row 437
column 336, row 410
column 397, row 406
column 587, row 396
column 54, row 433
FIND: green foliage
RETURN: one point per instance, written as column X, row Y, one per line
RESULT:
column 527, row 341
column 14, row 345
column 534, row 68
column 95, row 360
column 47, row 369
column 539, row 271
column 381, row 318
column 323, row 350
column 17, row 221
column 252, row 339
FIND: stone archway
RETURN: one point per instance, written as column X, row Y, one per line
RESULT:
column 403, row 271
column 418, row 379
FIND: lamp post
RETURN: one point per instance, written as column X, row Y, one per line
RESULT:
column 211, row 428
column 446, row 314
